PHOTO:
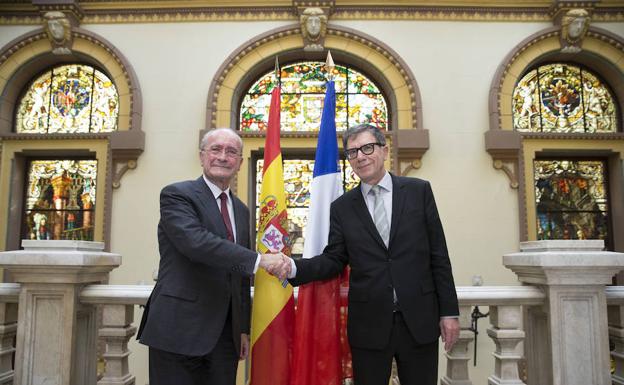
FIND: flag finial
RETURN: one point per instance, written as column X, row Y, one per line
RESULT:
column 277, row 71
column 329, row 66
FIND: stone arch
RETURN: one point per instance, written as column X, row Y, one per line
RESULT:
column 20, row 61
column 369, row 54
column 513, row 152
column 31, row 53
column 602, row 52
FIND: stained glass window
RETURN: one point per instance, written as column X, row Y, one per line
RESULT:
column 571, row 199
column 358, row 99
column 297, row 180
column 563, row 98
column 73, row 98
column 60, row 199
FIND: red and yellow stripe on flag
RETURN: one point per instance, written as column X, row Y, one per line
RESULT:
column 272, row 319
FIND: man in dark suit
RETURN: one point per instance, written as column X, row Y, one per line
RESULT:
column 196, row 322
column 401, row 290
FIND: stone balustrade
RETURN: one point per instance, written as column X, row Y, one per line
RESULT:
column 9, row 297
column 615, row 312
column 117, row 302
column 505, row 308
column 564, row 314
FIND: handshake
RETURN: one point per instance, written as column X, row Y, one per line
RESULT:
column 277, row 264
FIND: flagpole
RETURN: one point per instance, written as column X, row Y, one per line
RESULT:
column 278, row 77
column 329, row 66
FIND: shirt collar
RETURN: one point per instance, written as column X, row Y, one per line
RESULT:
column 385, row 183
column 216, row 190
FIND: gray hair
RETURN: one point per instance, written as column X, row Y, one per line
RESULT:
column 217, row 131
column 356, row 130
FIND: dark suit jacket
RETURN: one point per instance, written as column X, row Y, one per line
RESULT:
column 201, row 273
column 416, row 264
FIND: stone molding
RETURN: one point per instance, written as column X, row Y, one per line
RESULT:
column 123, row 11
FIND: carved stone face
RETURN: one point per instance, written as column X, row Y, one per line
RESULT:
column 313, row 25
column 56, row 29
column 576, row 27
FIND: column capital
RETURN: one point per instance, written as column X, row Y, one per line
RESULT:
column 564, row 262
column 59, row 261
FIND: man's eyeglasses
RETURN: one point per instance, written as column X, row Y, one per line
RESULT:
column 217, row 150
column 366, row 149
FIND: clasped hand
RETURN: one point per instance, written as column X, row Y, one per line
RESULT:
column 277, row 264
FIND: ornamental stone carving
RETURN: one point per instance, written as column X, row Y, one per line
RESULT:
column 58, row 29
column 574, row 26
column 313, row 28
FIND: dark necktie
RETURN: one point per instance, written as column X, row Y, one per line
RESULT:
column 225, row 214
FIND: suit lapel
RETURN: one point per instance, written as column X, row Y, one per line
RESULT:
column 209, row 203
column 361, row 209
column 239, row 219
column 398, row 201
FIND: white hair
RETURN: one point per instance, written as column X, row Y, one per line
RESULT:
column 217, row 131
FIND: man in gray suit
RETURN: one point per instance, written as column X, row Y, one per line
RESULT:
column 196, row 322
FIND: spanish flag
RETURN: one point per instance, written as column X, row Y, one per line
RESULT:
column 272, row 319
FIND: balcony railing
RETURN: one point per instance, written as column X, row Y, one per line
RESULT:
column 559, row 316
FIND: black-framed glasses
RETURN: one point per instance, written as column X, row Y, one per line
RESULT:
column 366, row 149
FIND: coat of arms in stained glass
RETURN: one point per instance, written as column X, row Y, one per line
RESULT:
column 358, row 99
column 563, row 98
column 60, row 200
column 71, row 98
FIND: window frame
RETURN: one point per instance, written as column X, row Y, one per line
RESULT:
column 28, row 161
column 609, row 243
column 26, row 87
column 249, row 81
column 582, row 67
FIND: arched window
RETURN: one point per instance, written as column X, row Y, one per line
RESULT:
column 74, row 98
column 563, row 98
column 358, row 99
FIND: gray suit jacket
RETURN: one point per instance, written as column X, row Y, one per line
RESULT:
column 201, row 274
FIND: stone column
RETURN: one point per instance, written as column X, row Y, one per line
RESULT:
column 56, row 334
column 616, row 333
column 457, row 358
column 8, row 329
column 573, row 275
column 117, row 330
column 506, row 334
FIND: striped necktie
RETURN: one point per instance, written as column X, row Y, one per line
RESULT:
column 379, row 214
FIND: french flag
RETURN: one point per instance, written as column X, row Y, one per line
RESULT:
column 320, row 349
